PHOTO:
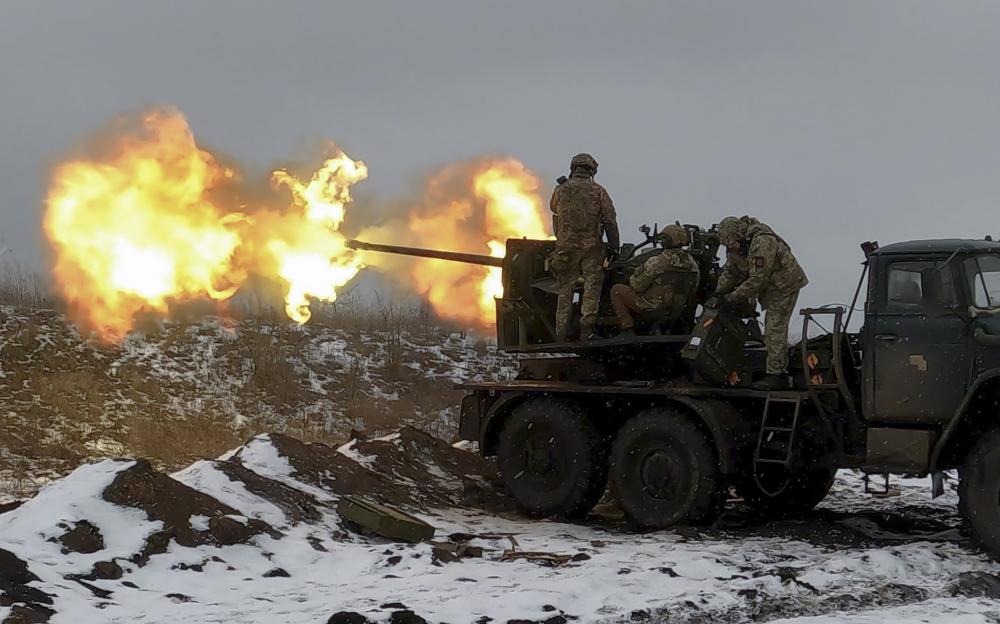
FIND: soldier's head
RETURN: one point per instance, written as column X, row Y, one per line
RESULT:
column 674, row 236
column 732, row 233
column 583, row 164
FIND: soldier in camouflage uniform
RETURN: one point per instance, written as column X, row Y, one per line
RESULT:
column 760, row 265
column 650, row 287
column 582, row 214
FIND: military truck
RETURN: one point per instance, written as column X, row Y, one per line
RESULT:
column 669, row 420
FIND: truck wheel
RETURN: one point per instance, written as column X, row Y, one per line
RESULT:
column 552, row 459
column 803, row 490
column 979, row 492
column 665, row 471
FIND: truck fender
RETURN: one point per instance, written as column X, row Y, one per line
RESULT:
column 731, row 431
column 492, row 420
column 952, row 429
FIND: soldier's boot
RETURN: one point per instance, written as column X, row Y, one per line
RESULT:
column 772, row 381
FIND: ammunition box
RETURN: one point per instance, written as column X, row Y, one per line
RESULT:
column 715, row 350
column 371, row 517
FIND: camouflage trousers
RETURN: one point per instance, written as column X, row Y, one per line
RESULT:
column 626, row 303
column 568, row 265
column 777, row 316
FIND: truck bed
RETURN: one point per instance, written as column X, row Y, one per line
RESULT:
column 633, row 388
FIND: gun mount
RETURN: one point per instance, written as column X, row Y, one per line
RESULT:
column 525, row 315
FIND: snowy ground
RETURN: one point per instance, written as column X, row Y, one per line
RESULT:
column 254, row 537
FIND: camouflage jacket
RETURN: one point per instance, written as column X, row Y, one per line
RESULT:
column 582, row 211
column 767, row 271
column 652, row 280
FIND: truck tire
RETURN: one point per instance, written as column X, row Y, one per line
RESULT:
column 805, row 490
column 552, row 459
column 979, row 493
column 665, row 471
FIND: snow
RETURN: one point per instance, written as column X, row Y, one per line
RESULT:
column 728, row 573
column 261, row 457
column 33, row 529
column 349, row 450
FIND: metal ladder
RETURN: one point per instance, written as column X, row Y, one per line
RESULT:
column 778, row 425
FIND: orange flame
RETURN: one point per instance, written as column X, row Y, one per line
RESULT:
column 142, row 226
column 471, row 207
column 312, row 257
column 138, row 229
column 148, row 223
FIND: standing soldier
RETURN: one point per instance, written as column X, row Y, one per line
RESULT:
column 760, row 265
column 582, row 215
column 654, row 286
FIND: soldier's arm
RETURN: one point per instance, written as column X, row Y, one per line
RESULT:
column 762, row 257
column 643, row 277
column 554, row 207
column 730, row 277
column 610, row 220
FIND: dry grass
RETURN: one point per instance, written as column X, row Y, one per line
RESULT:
column 176, row 442
column 267, row 356
column 69, row 401
column 20, row 286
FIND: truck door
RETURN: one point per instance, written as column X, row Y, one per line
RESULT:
column 920, row 344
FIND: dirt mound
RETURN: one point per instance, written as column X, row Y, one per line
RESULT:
column 298, row 506
column 29, row 603
column 410, row 469
column 188, row 516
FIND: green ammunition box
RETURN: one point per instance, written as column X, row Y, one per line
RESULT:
column 385, row 521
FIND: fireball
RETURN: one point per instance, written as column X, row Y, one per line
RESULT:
column 141, row 225
column 472, row 207
column 135, row 229
column 153, row 220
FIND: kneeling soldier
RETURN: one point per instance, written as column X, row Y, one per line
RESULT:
column 651, row 287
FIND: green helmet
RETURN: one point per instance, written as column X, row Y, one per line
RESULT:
column 732, row 229
column 674, row 236
column 583, row 161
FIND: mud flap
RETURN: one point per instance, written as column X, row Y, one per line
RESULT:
column 937, row 484
column 470, row 418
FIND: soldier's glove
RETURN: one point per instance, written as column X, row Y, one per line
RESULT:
column 731, row 300
column 713, row 303
column 612, row 255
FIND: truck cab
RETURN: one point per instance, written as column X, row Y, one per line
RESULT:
column 928, row 351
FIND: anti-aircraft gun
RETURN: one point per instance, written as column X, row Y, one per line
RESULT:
column 525, row 315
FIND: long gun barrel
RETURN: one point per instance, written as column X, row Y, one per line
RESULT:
column 452, row 256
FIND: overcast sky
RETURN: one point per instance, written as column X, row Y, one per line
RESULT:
column 835, row 122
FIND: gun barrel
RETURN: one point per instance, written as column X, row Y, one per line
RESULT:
column 452, row 256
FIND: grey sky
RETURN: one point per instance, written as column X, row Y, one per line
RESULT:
column 834, row 122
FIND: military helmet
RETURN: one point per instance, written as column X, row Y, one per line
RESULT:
column 674, row 236
column 732, row 229
column 583, row 160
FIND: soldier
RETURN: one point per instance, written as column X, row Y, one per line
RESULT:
column 651, row 287
column 582, row 215
column 760, row 265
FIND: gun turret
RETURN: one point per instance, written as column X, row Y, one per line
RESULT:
column 452, row 256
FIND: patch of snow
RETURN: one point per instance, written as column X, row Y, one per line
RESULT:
column 348, row 450
column 261, row 457
column 32, row 531
column 205, row 477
